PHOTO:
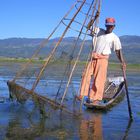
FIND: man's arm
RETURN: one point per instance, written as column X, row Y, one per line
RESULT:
column 120, row 57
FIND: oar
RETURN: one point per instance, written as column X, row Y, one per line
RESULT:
column 127, row 95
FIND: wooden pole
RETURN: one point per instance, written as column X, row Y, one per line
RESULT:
column 127, row 95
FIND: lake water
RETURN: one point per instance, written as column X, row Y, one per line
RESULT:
column 19, row 122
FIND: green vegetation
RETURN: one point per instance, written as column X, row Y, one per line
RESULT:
column 112, row 65
column 20, row 60
column 129, row 67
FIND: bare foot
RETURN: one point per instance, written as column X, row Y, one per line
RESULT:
column 96, row 102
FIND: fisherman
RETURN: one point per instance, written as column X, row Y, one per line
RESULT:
column 103, row 41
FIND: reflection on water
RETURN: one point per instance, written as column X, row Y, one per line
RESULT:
column 91, row 129
column 24, row 121
column 17, row 130
column 127, row 129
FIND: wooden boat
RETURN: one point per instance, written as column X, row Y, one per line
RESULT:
column 114, row 92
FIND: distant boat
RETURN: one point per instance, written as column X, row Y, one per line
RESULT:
column 114, row 92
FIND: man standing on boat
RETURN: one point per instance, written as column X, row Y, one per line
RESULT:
column 103, row 41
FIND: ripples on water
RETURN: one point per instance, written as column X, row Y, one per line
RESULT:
column 24, row 121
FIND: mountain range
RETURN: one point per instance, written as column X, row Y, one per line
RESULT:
column 25, row 47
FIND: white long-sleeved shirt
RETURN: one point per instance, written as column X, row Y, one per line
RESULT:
column 105, row 42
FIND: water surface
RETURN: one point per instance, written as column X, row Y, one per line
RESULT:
column 23, row 121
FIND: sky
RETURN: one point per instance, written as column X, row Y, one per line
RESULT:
column 37, row 18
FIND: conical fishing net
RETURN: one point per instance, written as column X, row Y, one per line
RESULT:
column 54, row 71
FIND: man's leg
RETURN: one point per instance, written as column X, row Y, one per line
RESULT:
column 100, row 73
column 85, row 84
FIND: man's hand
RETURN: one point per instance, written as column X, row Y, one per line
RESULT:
column 90, row 24
column 97, row 14
column 93, row 20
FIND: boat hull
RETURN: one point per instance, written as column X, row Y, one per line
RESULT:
column 108, row 103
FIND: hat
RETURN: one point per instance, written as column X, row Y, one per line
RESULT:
column 110, row 21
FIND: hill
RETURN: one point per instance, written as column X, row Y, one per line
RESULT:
column 25, row 47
